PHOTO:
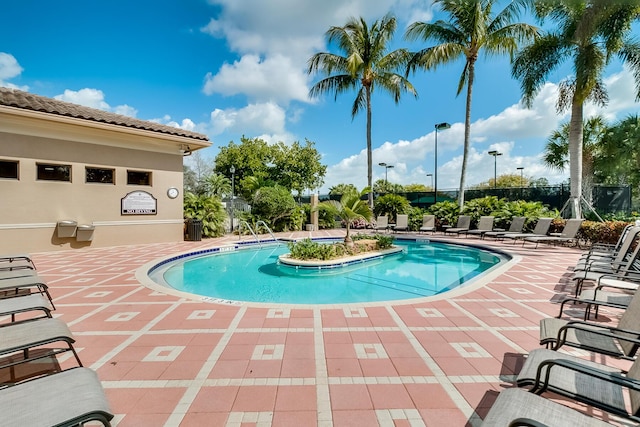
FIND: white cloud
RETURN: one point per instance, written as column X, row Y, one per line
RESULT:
column 94, row 98
column 253, row 119
column 271, row 79
column 125, row 110
column 9, row 69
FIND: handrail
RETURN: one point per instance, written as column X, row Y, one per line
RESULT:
column 250, row 229
column 268, row 229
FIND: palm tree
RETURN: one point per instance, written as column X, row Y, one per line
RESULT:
column 556, row 153
column 218, row 185
column 589, row 34
column 350, row 208
column 366, row 64
column 471, row 29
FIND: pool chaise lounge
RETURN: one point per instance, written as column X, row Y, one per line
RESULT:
column 26, row 283
column 68, row 398
column 516, row 226
column 518, row 407
column 26, row 336
column 10, row 262
column 541, row 229
column 25, row 304
column 485, row 224
column 568, row 235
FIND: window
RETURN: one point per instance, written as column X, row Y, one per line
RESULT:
column 8, row 169
column 138, row 178
column 102, row 176
column 49, row 172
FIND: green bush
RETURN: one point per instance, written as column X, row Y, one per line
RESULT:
column 446, row 212
column 384, row 241
column 207, row 209
column 602, row 232
column 391, row 205
column 530, row 210
column 484, row 206
column 274, row 205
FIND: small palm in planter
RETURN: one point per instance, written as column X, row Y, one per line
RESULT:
column 350, row 209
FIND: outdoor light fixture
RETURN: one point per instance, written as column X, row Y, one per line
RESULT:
column 185, row 150
column 521, row 177
column 439, row 126
column 431, row 175
column 386, row 168
column 495, row 155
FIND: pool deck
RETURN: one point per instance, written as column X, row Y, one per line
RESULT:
column 173, row 361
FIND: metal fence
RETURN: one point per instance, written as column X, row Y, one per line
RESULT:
column 605, row 199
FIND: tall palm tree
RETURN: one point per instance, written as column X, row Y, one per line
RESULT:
column 471, row 29
column 218, row 185
column 589, row 33
column 349, row 209
column 556, row 152
column 366, row 64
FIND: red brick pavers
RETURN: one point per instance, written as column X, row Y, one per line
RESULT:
column 174, row 361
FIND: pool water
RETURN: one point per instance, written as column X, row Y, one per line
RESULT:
column 423, row 269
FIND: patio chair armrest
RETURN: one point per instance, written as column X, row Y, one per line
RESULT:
column 589, row 302
column 605, row 331
column 629, row 276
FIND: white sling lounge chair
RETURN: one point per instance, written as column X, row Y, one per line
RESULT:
column 428, row 223
column 68, row 398
column 485, row 224
column 24, row 304
column 518, row 407
column 541, row 229
column 382, row 223
column 16, row 261
column 568, row 235
column 402, row 223
column 462, row 226
column 17, row 284
column 516, row 226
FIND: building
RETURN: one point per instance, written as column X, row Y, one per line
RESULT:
column 72, row 176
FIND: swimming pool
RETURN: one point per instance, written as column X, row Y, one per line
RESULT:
column 423, row 268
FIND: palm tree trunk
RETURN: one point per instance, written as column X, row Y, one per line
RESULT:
column 467, row 134
column 575, row 158
column 369, row 152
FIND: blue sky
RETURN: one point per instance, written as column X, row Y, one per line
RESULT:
column 229, row 68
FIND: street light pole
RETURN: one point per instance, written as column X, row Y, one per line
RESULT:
column 439, row 126
column 386, row 168
column 495, row 155
column 233, row 192
column 521, row 177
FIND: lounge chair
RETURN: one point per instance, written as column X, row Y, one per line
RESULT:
column 516, row 226
column 382, row 223
column 14, row 274
column 619, row 341
column 517, row 407
column 541, row 229
column 16, row 261
column 428, row 223
column 604, row 262
column 464, row 222
column 402, row 223
column 68, row 398
column 24, row 304
column 25, row 336
column 607, row 251
column 601, row 386
column 18, row 284
column 568, row 235
column 485, row 224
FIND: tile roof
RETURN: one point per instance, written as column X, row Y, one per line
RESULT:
column 28, row 101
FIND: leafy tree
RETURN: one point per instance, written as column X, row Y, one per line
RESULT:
column 340, row 189
column 391, row 205
column 189, row 181
column 207, row 209
column 539, row 182
column 619, row 163
column 273, row 205
column 589, row 33
column 384, row 187
column 298, row 167
column 556, row 153
column 507, row 180
column 251, row 184
column 349, row 209
column 366, row 64
column 249, row 158
column 199, row 168
column 218, row 185
column 416, row 188
column 471, row 29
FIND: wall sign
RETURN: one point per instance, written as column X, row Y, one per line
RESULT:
column 139, row 203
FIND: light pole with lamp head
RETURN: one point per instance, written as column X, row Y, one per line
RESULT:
column 439, row 126
column 521, row 177
column 495, row 155
column 233, row 192
column 386, row 168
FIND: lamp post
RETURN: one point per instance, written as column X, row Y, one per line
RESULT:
column 439, row 126
column 386, row 168
column 495, row 155
column 521, row 177
column 233, row 192
column 431, row 175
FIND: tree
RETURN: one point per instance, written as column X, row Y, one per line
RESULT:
column 470, row 30
column 416, row 188
column 298, row 167
column 350, row 208
column 382, row 186
column 507, row 180
column 340, row 189
column 619, row 163
column 391, row 205
column 249, row 158
column 197, row 168
column 365, row 66
column 218, row 185
column 589, row 34
column 556, row 153
column 273, row 205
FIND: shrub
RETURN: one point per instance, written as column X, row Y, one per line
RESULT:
column 483, row 206
column 207, row 209
column 391, row 205
column 530, row 210
column 446, row 212
column 602, row 232
column 274, row 205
